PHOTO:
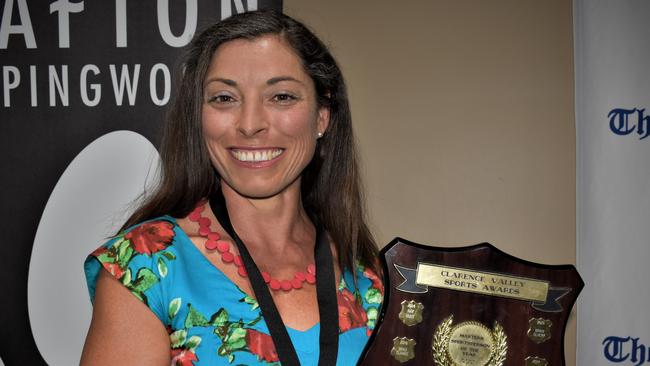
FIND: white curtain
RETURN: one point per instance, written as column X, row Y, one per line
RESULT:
column 612, row 64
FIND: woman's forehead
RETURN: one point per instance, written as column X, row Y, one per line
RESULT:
column 265, row 57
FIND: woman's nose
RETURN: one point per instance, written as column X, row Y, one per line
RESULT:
column 253, row 119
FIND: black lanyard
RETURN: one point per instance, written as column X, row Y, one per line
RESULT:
column 325, row 293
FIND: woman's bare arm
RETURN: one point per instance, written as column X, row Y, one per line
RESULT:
column 123, row 330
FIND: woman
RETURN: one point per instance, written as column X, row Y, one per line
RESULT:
column 258, row 212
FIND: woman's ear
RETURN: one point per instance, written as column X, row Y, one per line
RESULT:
column 323, row 120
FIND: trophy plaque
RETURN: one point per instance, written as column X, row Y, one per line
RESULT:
column 470, row 306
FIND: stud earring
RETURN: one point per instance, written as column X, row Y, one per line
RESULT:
column 320, row 134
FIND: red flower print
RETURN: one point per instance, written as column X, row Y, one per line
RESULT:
column 351, row 313
column 376, row 281
column 151, row 237
column 114, row 269
column 261, row 345
column 183, row 357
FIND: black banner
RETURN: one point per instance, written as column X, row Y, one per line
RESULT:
column 72, row 72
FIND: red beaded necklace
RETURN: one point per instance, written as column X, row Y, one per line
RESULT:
column 213, row 242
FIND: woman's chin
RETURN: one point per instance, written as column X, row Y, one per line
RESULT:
column 261, row 190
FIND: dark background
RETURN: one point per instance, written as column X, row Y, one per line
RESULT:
column 38, row 143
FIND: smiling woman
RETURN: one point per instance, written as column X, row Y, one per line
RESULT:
column 253, row 249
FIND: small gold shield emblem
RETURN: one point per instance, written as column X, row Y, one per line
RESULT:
column 539, row 330
column 403, row 349
column 411, row 313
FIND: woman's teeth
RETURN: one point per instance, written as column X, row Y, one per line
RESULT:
column 256, row 155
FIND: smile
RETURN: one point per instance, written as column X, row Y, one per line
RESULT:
column 255, row 156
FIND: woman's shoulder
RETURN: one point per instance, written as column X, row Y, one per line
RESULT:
column 139, row 244
column 145, row 238
column 139, row 257
column 160, row 235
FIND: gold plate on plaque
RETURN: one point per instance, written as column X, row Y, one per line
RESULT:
column 539, row 330
column 403, row 349
column 535, row 361
column 469, row 344
column 485, row 283
column 411, row 313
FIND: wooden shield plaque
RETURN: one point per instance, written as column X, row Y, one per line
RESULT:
column 470, row 306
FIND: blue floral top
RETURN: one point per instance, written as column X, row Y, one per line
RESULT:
column 210, row 320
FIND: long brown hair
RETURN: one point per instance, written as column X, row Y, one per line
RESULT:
column 330, row 183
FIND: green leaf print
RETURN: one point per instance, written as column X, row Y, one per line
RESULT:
column 126, row 279
column 106, row 257
column 174, row 307
column 372, row 314
column 116, row 244
column 168, row 255
column 195, row 318
column 342, row 285
column 221, row 331
column 193, row 342
column 250, row 301
column 177, row 338
column 254, row 321
column 162, row 267
column 231, row 358
column 219, row 318
column 124, row 253
column 373, row 296
column 236, row 340
column 144, row 279
column 223, row 350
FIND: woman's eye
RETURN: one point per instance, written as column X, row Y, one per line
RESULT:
column 221, row 99
column 284, row 98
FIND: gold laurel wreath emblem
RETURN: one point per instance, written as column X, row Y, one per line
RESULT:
column 442, row 336
column 440, row 341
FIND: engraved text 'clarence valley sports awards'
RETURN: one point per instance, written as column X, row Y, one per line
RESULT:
column 485, row 283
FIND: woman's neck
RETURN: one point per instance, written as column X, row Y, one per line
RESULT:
column 273, row 225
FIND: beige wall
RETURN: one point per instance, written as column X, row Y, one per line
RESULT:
column 464, row 115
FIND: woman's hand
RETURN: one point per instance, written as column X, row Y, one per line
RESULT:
column 123, row 330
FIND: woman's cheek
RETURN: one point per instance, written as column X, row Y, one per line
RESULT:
column 298, row 122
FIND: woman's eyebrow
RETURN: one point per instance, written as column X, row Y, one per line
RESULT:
column 223, row 80
column 278, row 79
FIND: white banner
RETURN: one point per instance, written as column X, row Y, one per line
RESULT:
column 612, row 57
